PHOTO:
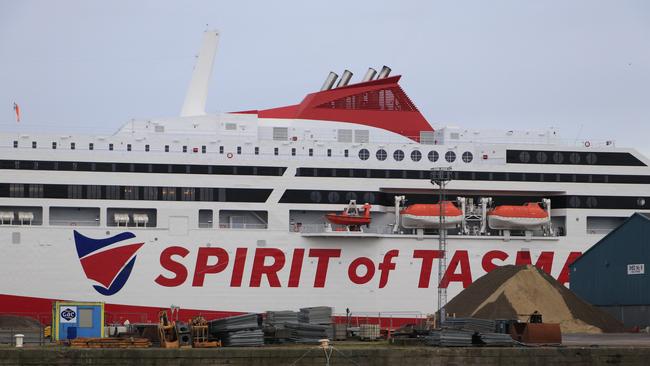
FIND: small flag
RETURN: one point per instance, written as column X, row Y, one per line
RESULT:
column 17, row 110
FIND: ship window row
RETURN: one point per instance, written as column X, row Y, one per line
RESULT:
column 363, row 154
column 572, row 158
column 115, row 192
column 474, row 175
column 387, row 199
column 415, row 155
column 142, row 168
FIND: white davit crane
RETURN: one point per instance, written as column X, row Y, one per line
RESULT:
column 197, row 93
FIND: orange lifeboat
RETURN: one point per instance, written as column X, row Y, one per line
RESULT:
column 427, row 215
column 529, row 216
column 351, row 215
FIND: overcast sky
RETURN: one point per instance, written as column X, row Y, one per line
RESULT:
column 580, row 66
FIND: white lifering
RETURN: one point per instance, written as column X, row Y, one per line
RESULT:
column 587, row 144
column 229, row 155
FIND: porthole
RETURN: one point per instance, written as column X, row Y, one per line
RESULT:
column 350, row 196
column 468, row 157
column 364, row 154
column 591, row 202
column 433, row 156
column 558, row 158
column 369, row 197
column 416, row 155
column 333, row 197
column 381, row 154
column 574, row 202
column 450, row 156
column 315, row 196
column 640, row 202
column 541, row 157
column 524, row 157
column 574, row 158
column 398, row 155
column 591, row 158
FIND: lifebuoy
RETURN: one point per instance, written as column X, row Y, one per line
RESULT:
column 587, row 144
column 229, row 155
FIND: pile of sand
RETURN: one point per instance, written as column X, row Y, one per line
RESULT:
column 511, row 292
column 18, row 322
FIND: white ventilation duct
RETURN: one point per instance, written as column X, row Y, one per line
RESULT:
column 345, row 79
column 369, row 74
column 329, row 82
column 385, row 71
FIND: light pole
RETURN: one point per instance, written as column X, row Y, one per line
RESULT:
column 440, row 177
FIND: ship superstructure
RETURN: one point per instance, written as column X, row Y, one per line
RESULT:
column 229, row 212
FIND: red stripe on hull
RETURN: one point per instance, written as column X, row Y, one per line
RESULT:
column 41, row 309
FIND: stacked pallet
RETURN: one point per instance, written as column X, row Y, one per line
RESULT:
column 497, row 339
column 240, row 330
column 449, row 338
column 308, row 333
column 470, row 324
column 110, row 343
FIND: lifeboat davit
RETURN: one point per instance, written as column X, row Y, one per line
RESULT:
column 351, row 216
column 529, row 216
column 427, row 216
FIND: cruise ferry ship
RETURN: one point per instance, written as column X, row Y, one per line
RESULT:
column 326, row 202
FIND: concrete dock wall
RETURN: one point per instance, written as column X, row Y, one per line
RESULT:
column 363, row 356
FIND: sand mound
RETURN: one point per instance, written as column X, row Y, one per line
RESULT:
column 509, row 292
column 15, row 321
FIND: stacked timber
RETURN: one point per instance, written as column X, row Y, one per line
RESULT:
column 110, row 343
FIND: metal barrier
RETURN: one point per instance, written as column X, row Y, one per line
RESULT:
column 32, row 336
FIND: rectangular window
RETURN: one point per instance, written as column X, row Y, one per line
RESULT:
column 185, row 148
column 311, row 152
column 35, row 191
column 151, row 193
column 188, row 194
column 91, row 146
column 16, row 190
column 15, row 144
column 75, row 192
column 345, row 135
column 293, row 151
column 110, row 147
column 166, row 148
column 276, row 151
column 113, row 192
column 361, row 136
column 205, row 218
column 54, row 145
column 206, row 194
column 220, row 149
column 280, row 133
column 169, row 194
column 329, row 152
column 85, row 318
column 345, row 153
column 257, row 150
column 204, row 149
column 128, row 147
column 94, row 192
column 33, row 144
column 130, row 193
column 238, row 150
column 146, row 147
column 72, row 146
column 231, row 126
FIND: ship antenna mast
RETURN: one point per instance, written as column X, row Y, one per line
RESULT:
column 440, row 177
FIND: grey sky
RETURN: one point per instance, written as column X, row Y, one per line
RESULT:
column 91, row 65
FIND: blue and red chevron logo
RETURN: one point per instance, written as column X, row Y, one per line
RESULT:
column 105, row 263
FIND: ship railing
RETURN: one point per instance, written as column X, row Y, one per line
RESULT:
column 74, row 222
column 325, row 228
column 243, row 226
column 389, row 320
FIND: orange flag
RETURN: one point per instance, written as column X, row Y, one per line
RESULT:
column 17, row 110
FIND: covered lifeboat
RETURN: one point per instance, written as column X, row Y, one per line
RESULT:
column 427, row 215
column 529, row 216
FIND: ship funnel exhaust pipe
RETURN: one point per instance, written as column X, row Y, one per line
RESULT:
column 385, row 71
column 345, row 79
column 369, row 74
column 329, row 82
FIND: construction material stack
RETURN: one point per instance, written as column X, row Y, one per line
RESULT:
column 240, row 330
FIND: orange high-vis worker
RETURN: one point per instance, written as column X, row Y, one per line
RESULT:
column 17, row 110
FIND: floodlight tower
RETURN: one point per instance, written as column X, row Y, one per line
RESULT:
column 440, row 177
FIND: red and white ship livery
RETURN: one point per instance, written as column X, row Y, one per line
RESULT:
column 227, row 213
